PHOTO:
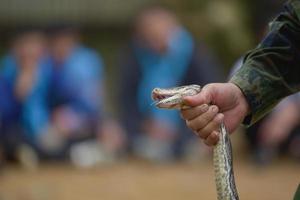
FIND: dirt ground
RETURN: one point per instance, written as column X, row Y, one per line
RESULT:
column 141, row 181
column 136, row 180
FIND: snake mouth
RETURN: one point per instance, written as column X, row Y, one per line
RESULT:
column 172, row 98
column 160, row 100
column 159, row 97
column 167, row 101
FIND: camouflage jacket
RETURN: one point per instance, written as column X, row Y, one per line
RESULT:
column 271, row 71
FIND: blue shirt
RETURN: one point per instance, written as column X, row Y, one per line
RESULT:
column 77, row 82
column 32, row 111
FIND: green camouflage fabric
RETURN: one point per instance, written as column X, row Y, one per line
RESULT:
column 297, row 194
column 271, row 71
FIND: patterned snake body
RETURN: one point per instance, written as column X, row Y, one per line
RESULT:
column 172, row 98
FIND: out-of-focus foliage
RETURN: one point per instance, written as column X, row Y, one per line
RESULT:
column 223, row 25
column 228, row 27
column 82, row 11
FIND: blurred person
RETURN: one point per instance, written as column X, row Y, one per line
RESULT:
column 280, row 130
column 23, row 88
column 161, row 53
column 76, row 93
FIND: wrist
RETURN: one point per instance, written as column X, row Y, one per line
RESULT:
column 241, row 100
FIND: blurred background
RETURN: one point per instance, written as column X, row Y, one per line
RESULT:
column 76, row 115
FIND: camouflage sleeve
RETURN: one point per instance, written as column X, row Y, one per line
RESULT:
column 271, row 71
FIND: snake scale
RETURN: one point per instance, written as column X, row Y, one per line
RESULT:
column 172, row 98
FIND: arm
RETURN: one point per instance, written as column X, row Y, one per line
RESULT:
column 271, row 71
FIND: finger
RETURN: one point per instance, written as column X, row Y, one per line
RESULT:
column 192, row 113
column 213, row 125
column 204, row 97
column 212, row 139
column 202, row 120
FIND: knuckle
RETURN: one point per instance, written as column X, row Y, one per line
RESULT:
column 209, row 115
column 202, row 108
column 203, row 121
column 194, row 112
column 196, row 123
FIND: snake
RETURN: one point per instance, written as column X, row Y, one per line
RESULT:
column 173, row 98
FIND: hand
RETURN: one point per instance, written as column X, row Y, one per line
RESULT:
column 228, row 105
column 67, row 121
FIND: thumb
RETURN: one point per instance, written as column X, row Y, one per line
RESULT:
column 204, row 97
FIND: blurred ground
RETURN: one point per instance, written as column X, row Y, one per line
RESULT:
column 137, row 180
column 141, row 181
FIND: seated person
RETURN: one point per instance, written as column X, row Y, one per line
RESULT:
column 162, row 53
column 23, row 89
column 280, row 131
column 76, row 90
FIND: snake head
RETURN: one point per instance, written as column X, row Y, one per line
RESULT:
column 172, row 98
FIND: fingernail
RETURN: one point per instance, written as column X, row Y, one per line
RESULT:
column 204, row 108
column 214, row 108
